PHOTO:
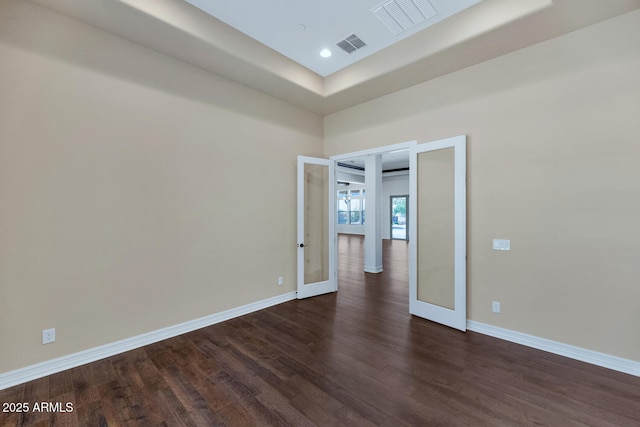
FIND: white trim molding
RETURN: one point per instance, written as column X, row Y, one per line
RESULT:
column 377, row 150
column 627, row 366
column 32, row 372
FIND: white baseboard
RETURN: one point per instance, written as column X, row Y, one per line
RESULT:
column 28, row 373
column 596, row 358
column 376, row 269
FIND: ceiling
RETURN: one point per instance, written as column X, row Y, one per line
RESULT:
column 300, row 30
column 479, row 32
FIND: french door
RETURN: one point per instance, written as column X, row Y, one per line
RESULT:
column 316, row 246
column 437, row 242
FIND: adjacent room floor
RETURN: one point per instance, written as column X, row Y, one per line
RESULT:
column 351, row 358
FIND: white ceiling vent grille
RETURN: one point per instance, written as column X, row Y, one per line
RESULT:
column 401, row 15
column 351, row 44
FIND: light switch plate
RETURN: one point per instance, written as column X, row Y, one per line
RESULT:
column 501, row 245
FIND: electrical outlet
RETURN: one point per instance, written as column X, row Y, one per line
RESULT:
column 495, row 306
column 48, row 335
column 280, row 281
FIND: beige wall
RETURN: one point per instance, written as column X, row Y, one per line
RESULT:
column 136, row 191
column 553, row 149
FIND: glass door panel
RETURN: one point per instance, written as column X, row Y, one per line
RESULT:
column 316, row 227
column 434, row 222
column 316, row 223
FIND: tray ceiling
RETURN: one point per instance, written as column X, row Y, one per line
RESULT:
column 478, row 32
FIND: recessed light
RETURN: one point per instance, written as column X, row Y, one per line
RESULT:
column 325, row 53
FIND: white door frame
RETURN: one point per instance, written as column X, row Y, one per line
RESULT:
column 402, row 146
column 378, row 150
column 460, row 218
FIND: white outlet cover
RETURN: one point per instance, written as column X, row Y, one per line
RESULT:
column 495, row 306
column 48, row 335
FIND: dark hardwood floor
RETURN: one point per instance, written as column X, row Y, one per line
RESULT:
column 354, row 358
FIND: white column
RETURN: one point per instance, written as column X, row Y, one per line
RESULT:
column 373, row 214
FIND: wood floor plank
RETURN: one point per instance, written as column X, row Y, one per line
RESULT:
column 116, row 404
column 179, row 414
column 35, row 392
column 196, row 406
column 91, row 414
column 60, row 384
column 11, row 397
column 139, row 405
column 69, row 416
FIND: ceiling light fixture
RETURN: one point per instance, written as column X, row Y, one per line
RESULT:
column 325, row 53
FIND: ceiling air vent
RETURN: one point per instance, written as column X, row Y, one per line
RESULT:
column 401, row 15
column 351, row 44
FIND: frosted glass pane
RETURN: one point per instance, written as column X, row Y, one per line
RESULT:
column 435, row 224
column 316, row 223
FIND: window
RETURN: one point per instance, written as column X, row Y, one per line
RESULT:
column 351, row 207
column 354, row 212
column 343, row 211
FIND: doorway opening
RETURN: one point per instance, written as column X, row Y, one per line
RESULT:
column 363, row 196
column 399, row 211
